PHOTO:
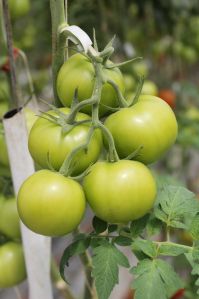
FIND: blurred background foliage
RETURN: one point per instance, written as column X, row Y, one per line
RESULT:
column 164, row 33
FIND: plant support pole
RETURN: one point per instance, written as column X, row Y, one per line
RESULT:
column 36, row 247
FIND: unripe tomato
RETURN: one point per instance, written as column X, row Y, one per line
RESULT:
column 149, row 87
column 127, row 190
column 168, row 96
column 46, row 140
column 78, row 72
column 9, row 218
column 149, row 123
column 130, row 83
column 12, row 265
column 18, row 8
column 51, row 204
column 140, row 68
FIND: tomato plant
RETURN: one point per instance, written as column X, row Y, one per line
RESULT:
column 47, row 141
column 12, row 265
column 78, row 73
column 51, row 204
column 18, row 8
column 150, row 124
column 120, row 192
column 9, row 218
column 3, row 149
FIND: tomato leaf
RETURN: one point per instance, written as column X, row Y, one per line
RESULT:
column 99, row 225
column 154, row 279
column 106, row 261
column 76, row 248
column 174, row 204
column 172, row 249
column 145, row 246
column 112, row 228
column 194, row 227
column 123, row 241
column 193, row 259
column 137, row 226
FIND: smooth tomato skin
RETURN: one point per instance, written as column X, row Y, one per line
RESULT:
column 121, row 191
column 78, row 72
column 149, row 123
column 12, row 265
column 51, row 204
column 18, row 8
column 46, row 139
column 9, row 218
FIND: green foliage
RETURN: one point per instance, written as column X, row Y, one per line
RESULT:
column 174, row 204
column 155, row 279
column 106, row 262
column 76, row 248
column 99, row 225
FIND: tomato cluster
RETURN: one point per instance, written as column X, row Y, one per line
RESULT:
column 66, row 142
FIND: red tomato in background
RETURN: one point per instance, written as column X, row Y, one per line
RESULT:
column 179, row 294
column 168, row 96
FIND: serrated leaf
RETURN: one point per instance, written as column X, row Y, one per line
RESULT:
column 137, row 226
column 145, row 246
column 99, row 225
column 174, row 204
column 106, row 262
column 76, row 248
column 172, row 249
column 194, row 227
column 123, row 241
column 154, row 226
column 154, row 279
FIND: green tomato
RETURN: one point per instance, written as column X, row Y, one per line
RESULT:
column 130, row 83
column 18, row 8
column 149, row 87
column 149, row 123
column 140, row 68
column 51, row 204
column 12, row 265
column 78, row 72
column 47, row 141
column 121, row 191
column 9, row 218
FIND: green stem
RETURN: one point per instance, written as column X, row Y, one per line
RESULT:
column 66, row 167
column 58, row 17
column 121, row 99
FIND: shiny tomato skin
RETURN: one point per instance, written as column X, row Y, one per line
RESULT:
column 12, row 265
column 9, row 218
column 78, row 72
column 121, row 191
column 149, row 123
column 51, row 204
column 46, row 140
